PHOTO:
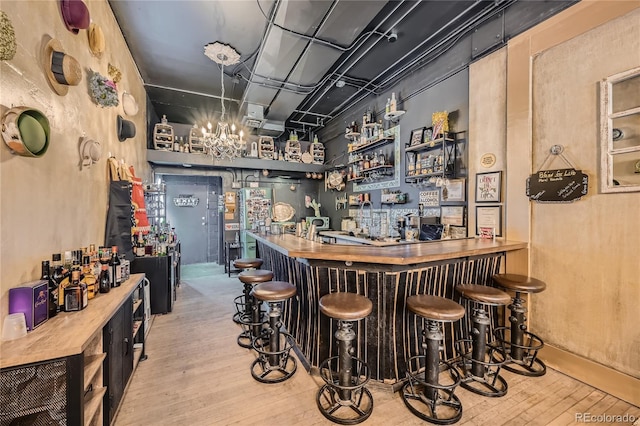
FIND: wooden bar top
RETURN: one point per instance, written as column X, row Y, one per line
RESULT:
column 404, row 254
column 68, row 333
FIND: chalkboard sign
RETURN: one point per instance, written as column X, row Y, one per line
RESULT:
column 557, row 186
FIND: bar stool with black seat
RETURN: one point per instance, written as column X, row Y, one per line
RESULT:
column 273, row 365
column 428, row 394
column 478, row 363
column 521, row 346
column 242, row 308
column 344, row 398
column 252, row 323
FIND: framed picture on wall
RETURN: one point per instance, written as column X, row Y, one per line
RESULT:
column 452, row 215
column 488, row 187
column 454, row 191
column 489, row 219
column 416, row 136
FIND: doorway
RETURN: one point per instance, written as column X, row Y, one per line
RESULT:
column 192, row 208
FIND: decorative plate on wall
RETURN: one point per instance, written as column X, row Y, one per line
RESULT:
column 283, row 212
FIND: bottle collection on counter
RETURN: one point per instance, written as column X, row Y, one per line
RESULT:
column 81, row 276
column 156, row 242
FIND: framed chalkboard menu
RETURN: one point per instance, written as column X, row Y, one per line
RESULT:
column 557, row 186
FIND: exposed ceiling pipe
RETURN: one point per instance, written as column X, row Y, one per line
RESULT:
column 361, row 40
column 458, row 33
column 267, row 30
column 327, row 88
column 191, row 92
column 306, row 48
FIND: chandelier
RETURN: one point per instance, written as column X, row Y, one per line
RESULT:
column 224, row 143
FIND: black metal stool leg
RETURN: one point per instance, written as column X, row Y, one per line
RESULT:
column 273, row 365
column 523, row 346
column 424, row 394
column 481, row 370
column 344, row 399
column 251, row 324
column 243, row 305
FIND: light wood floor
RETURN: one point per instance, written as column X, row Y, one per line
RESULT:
column 196, row 375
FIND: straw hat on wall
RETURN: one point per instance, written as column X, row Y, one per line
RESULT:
column 97, row 43
column 61, row 69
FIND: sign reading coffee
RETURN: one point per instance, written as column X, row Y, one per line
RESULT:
column 557, row 186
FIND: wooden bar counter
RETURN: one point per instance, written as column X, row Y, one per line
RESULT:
column 387, row 276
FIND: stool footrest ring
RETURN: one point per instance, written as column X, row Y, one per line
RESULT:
column 491, row 383
column 445, row 408
column 530, row 365
column 265, row 372
column 331, row 399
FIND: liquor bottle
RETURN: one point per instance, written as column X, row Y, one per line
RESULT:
column 59, row 275
column 114, row 266
column 104, row 280
column 387, row 108
column 140, row 245
column 393, row 105
column 88, row 276
column 53, row 289
column 73, row 294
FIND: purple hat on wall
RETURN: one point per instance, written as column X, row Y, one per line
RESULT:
column 75, row 15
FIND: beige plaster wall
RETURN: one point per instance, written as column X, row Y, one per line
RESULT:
column 48, row 204
column 586, row 251
column 487, row 112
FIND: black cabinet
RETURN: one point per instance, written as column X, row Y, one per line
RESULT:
column 118, row 366
column 161, row 273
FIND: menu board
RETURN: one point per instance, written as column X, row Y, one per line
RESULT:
column 557, row 186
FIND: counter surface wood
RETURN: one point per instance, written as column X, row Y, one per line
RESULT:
column 403, row 254
column 68, row 333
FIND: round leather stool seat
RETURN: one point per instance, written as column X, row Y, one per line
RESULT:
column 520, row 283
column 255, row 276
column 247, row 262
column 483, row 294
column 435, row 307
column 345, row 306
column 273, row 291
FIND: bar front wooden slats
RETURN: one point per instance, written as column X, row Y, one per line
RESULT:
column 387, row 276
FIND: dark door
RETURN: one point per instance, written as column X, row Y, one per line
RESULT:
column 192, row 208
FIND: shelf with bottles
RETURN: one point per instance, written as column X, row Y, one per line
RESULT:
column 196, row 142
column 317, row 151
column 266, row 148
column 371, row 173
column 432, row 158
column 370, row 144
column 163, row 137
column 431, row 144
column 391, row 111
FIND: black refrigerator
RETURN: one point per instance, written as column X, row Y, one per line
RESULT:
column 161, row 271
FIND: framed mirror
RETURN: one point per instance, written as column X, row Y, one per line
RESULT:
column 620, row 132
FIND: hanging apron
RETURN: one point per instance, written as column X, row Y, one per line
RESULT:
column 119, row 215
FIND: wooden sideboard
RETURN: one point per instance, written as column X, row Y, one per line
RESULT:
column 62, row 371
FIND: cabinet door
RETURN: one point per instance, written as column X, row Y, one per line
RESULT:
column 118, row 341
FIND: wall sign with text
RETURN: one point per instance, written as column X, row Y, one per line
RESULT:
column 557, row 186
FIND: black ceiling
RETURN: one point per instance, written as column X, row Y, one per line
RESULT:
column 293, row 52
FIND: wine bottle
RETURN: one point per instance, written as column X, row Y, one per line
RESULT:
column 72, row 292
column 140, row 245
column 104, row 281
column 114, row 265
column 58, row 275
column 53, row 289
